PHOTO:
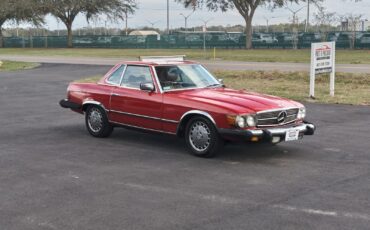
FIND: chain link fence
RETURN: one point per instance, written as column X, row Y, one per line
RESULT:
column 345, row 40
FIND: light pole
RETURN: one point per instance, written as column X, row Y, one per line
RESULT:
column 295, row 13
column 126, row 31
column 295, row 31
column 204, row 32
column 58, row 27
column 152, row 23
column 267, row 24
column 168, row 16
column 106, row 29
column 186, row 19
column 308, row 16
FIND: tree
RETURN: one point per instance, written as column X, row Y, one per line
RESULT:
column 324, row 20
column 67, row 10
column 19, row 11
column 246, row 8
column 351, row 23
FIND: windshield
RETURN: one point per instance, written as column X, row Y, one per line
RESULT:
column 185, row 76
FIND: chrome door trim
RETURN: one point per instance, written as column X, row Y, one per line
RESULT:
column 137, row 127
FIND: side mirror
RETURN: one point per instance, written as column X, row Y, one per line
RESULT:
column 147, row 87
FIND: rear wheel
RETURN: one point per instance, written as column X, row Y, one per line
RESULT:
column 97, row 122
column 202, row 137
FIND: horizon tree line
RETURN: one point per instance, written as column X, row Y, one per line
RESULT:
column 66, row 11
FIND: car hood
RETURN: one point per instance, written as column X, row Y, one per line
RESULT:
column 237, row 101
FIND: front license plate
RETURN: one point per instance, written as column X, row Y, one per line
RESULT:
column 292, row 135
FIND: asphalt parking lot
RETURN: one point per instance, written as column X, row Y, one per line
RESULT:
column 54, row 175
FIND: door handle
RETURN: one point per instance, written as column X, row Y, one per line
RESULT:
column 116, row 94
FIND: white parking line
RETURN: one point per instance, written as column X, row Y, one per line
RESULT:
column 232, row 201
column 324, row 212
column 208, row 197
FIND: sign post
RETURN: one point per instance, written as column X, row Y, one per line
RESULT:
column 322, row 61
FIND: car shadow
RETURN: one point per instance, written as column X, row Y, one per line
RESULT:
column 262, row 153
column 231, row 151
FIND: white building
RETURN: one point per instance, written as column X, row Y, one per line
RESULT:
column 362, row 25
column 144, row 32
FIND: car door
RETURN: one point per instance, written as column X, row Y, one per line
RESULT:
column 134, row 107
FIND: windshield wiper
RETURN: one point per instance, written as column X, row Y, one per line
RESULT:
column 213, row 85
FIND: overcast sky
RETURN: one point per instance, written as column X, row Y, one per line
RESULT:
column 155, row 11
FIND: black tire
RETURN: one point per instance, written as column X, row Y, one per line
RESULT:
column 207, row 142
column 100, row 127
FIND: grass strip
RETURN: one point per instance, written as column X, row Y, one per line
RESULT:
column 16, row 66
column 256, row 55
column 351, row 89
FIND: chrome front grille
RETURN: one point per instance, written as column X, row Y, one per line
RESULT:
column 277, row 117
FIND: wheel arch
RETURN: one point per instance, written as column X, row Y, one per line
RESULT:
column 87, row 103
column 187, row 116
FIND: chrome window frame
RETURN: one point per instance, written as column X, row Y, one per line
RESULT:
column 133, row 88
column 123, row 71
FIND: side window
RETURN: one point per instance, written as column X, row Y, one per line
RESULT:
column 115, row 77
column 135, row 75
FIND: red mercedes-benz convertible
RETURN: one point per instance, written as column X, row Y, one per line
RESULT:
column 173, row 96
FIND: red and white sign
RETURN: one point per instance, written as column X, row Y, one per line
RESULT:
column 323, row 57
column 322, row 61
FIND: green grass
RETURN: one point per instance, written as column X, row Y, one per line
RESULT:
column 14, row 66
column 258, row 55
column 350, row 88
column 91, row 79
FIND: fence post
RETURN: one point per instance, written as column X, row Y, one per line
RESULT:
column 46, row 40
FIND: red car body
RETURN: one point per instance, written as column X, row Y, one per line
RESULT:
column 169, row 111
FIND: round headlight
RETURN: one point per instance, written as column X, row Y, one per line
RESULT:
column 302, row 113
column 240, row 122
column 251, row 122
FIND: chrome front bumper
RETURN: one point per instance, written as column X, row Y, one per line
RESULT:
column 266, row 134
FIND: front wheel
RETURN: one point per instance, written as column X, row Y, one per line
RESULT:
column 97, row 122
column 202, row 137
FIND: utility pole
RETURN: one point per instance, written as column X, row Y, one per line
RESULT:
column 308, row 17
column 186, row 20
column 168, row 16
